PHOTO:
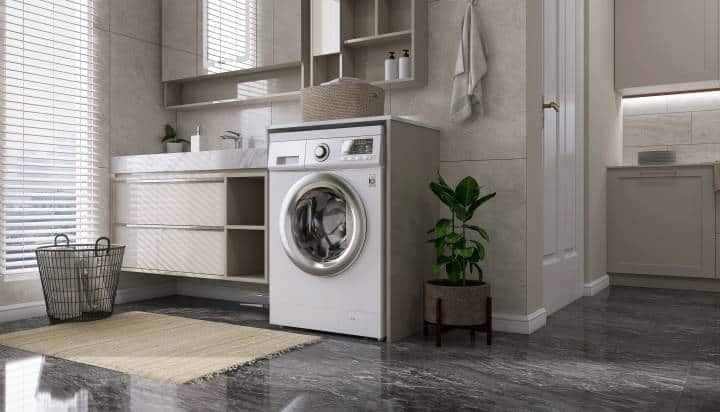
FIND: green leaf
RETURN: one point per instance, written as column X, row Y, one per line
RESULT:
column 466, row 252
column 454, row 238
column 467, row 191
column 479, row 202
column 442, row 181
column 445, row 194
column 442, row 226
column 440, row 245
column 462, row 213
column 482, row 232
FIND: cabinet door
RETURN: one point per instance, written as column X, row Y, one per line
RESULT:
column 666, row 45
column 325, row 35
column 661, row 221
column 173, row 249
column 184, row 202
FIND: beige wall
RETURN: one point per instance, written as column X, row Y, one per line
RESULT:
column 129, row 36
column 491, row 149
column 603, row 131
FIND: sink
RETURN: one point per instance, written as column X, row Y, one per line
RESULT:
column 232, row 159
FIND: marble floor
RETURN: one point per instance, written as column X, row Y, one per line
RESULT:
column 625, row 349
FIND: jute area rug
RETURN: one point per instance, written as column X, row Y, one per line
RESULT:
column 155, row 346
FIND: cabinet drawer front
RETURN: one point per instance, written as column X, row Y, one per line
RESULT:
column 182, row 202
column 661, row 221
column 173, row 250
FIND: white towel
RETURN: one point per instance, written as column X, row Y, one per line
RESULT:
column 470, row 68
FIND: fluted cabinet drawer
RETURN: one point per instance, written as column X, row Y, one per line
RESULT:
column 173, row 250
column 185, row 203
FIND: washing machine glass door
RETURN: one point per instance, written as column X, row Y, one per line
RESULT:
column 322, row 224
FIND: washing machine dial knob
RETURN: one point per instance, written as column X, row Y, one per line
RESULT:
column 322, row 151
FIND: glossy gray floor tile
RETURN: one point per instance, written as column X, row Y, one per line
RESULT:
column 626, row 349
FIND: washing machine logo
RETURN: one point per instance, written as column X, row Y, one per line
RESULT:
column 372, row 180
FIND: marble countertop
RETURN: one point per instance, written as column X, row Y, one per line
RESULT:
column 630, row 166
column 191, row 162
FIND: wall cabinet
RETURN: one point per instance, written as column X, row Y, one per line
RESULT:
column 661, row 221
column 666, row 45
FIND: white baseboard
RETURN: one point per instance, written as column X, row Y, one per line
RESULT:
column 596, row 286
column 523, row 324
column 212, row 290
column 35, row 309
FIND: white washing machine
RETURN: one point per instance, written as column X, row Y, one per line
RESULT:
column 326, row 230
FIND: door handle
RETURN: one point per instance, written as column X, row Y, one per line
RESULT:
column 552, row 105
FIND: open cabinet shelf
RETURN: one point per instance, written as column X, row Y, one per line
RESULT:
column 256, row 86
column 350, row 38
column 405, row 35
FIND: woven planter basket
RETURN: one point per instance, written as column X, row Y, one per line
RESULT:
column 342, row 101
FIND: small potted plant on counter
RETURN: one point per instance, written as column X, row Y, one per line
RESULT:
column 173, row 144
column 458, row 301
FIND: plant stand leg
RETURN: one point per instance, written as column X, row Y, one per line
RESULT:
column 438, row 323
column 425, row 328
column 472, row 336
column 488, row 320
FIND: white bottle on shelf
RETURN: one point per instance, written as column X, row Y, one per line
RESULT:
column 391, row 66
column 405, row 71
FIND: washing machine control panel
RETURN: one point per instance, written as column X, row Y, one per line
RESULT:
column 344, row 152
column 357, row 149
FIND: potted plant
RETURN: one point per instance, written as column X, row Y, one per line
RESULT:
column 173, row 144
column 457, row 300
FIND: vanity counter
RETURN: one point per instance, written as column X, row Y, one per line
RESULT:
column 211, row 160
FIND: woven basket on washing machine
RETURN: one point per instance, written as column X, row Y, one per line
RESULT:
column 342, row 101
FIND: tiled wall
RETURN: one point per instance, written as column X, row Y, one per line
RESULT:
column 131, row 29
column 689, row 124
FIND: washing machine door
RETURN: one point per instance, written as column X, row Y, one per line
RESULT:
column 322, row 224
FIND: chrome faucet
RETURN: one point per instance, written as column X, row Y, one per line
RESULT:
column 235, row 137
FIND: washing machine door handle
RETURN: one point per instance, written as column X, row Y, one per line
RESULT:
column 322, row 224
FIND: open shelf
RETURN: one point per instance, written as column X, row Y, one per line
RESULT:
column 246, row 201
column 239, row 74
column 257, row 86
column 250, row 101
column 405, row 35
column 352, row 38
column 246, row 254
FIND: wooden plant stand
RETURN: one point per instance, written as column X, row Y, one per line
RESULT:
column 440, row 328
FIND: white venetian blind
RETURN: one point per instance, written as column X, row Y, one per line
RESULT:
column 52, row 148
column 231, row 40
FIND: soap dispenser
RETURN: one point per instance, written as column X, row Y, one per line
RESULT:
column 391, row 66
column 405, row 71
column 197, row 143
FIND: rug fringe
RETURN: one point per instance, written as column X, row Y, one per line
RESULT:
column 237, row 366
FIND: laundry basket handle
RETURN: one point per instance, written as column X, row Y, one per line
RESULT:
column 97, row 244
column 67, row 240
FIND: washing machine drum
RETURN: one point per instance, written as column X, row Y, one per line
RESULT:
column 322, row 224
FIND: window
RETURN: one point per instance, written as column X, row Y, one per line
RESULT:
column 53, row 152
column 231, row 40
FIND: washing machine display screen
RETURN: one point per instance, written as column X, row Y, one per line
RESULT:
column 359, row 147
column 319, row 224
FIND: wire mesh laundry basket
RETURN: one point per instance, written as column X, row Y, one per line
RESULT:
column 79, row 281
